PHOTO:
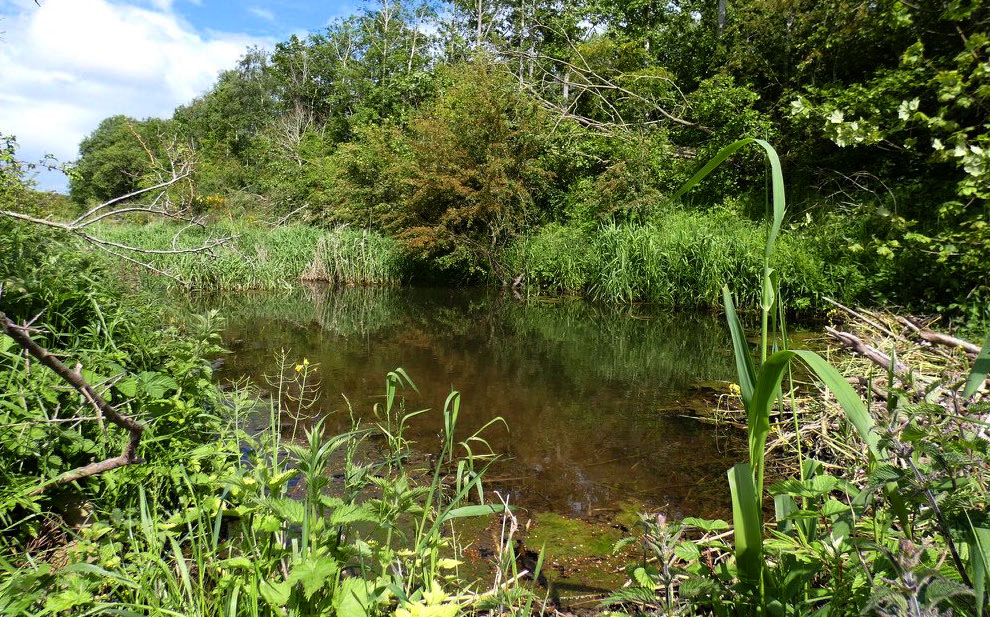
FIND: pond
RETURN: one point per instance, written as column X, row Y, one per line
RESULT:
column 596, row 399
column 600, row 403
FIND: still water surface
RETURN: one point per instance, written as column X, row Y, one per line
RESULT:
column 595, row 398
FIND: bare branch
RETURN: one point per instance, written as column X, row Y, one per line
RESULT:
column 134, row 428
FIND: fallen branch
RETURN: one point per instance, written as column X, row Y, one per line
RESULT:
column 938, row 338
column 874, row 355
column 863, row 318
column 74, row 377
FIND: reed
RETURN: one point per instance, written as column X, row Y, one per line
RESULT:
column 681, row 259
column 265, row 258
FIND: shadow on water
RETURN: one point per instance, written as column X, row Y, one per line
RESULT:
column 593, row 396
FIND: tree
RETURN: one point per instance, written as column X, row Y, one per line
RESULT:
column 475, row 172
column 117, row 157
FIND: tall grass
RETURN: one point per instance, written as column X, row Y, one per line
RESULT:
column 681, row 259
column 355, row 257
column 840, row 540
column 266, row 258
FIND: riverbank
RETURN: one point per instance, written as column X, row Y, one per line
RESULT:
column 213, row 521
column 679, row 261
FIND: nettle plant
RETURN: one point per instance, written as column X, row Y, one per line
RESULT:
column 907, row 533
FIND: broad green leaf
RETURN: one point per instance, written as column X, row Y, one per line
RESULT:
column 747, row 523
column 352, row 513
column 784, row 507
column 275, row 594
column 353, row 598
column 476, row 510
column 980, row 370
column 313, row 573
column 740, row 349
column 688, row 551
column 704, row 524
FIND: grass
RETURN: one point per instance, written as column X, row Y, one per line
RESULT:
column 266, row 258
column 898, row 527
column 239, row 508
column 682, row 259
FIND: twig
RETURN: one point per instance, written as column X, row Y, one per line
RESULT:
column 74, row 378
column 938, row 338
column 864, row 318
column 875, row 355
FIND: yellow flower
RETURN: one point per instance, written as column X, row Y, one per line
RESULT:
column 735, row 389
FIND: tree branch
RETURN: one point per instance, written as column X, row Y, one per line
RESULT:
column 134, row 428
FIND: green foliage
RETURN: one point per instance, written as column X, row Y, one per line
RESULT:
column 234, row 509
column 117, row 158
column 683, row 259
column 262, row 258
column 846, row 544
column 474, row 170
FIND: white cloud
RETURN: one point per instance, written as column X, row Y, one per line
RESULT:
column 70, row 63
column 262, row 13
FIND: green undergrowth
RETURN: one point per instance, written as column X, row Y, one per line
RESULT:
column 262, row 257
column 237, row 506
column 683, row 259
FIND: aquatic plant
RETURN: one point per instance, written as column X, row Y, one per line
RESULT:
column 266, row 258
column 869, row 541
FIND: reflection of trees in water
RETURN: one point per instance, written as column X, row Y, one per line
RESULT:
column 578, row 384
column 625, row 344
column 635, row 346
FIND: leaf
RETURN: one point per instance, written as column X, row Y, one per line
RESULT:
column 740, row 348
column 765, row 394
column 980, row 370
column 68, row 599
column 352, row 513
column 688, row 551
column 313, row 574
column 470, row 511
column 275, row 594
column 240, row 562
column 5, row 343
column 979, row 555
column 155, row 384
column 747, row 521
column 777, row 180
column 643, row 578
column 289, row 510
column 784, row 507
column 353, row 598
column 704, row 524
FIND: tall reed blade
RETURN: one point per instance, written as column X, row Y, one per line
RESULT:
column 747, row 523
column 776, row 175
column 740, row 349
column 980, row 370
column 766, row 393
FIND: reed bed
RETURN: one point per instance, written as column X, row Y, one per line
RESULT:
column 681, row 259
column 259, row 257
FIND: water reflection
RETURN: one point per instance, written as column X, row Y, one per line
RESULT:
column 591, row 394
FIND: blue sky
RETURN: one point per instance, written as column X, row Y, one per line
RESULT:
column 68, row 64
